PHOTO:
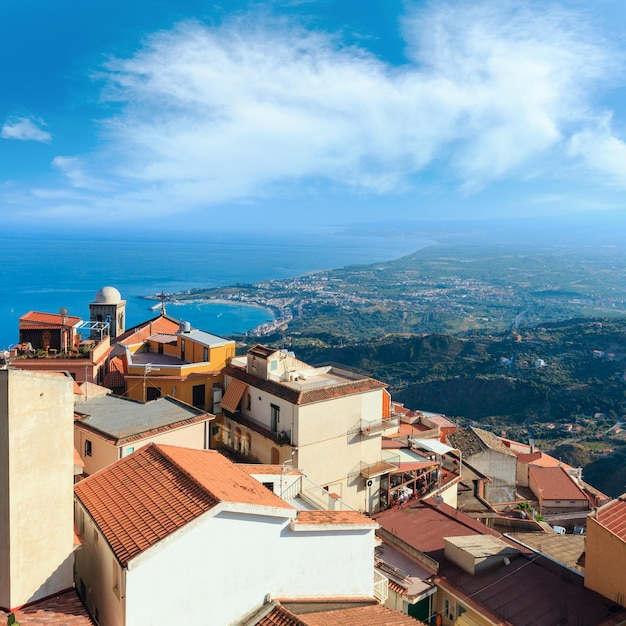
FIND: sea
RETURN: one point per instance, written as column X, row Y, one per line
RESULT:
column 47, row 275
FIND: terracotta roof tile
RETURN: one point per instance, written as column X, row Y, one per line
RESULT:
column 374, row 615
column 280, row 616
column 529, row 590
column 36, row 319
column 136, row 334
column 141, row 499
column 223, row 478
column 333, row 517
column 613, row 517
column 260, row 468
column 556, row 484
column 64, row 609
column 540, row 459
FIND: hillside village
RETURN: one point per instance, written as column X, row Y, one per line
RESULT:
column 153, row 474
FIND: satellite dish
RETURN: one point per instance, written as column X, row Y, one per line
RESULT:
column 63, row 311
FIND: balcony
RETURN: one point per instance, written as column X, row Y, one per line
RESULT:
column 282, row 438
column 373, row 427
column 379, row 468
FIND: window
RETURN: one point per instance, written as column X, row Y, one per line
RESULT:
column 182, row 349
column 115, row 570
column 269, row 486
column 248, row 402
column 448, row 611
column 152, row 393
column 129, row 450
column 275, row 415
column 205, row 354
column 87, row 447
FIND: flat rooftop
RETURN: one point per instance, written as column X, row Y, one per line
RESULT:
column 119, row 418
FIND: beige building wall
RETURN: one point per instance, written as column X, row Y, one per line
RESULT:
column 95, row 451
column 605, row 562
column 104, row 452
column 329, row 447
column 36, row 485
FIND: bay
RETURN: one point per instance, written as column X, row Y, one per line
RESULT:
column 47, row 274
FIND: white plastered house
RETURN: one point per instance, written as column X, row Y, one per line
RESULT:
column 174, row 535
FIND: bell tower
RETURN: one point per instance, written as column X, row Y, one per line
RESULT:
column 108, row 306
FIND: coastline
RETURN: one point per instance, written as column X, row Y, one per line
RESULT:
column 279, row 314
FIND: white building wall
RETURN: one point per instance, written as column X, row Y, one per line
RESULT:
column 36, row 481
column 216, row 570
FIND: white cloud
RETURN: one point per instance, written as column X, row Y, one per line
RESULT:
column 25, row 129
column 601, row 151
column 210, row 115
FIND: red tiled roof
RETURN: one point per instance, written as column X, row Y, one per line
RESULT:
column 374, row 615
column 141, row 499
column 64, row 609
column 333, row 517
column 528, row 590
column 162, row 324
column 541, row 459
column 556, row 484
column 280, row 616
column 424, row 526
column 35, row 319
column 299, row 396
column 613, row 517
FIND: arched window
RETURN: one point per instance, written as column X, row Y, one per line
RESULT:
column 275, row 456
column 238, row 439
column 248, row 402
column 248, row 443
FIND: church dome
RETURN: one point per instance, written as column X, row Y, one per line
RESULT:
column 108, row 295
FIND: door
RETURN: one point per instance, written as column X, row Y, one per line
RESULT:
column 199, row 395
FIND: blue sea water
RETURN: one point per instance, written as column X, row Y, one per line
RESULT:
column 45, row 275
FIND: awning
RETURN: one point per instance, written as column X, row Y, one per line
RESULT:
column 232, row 396
column 433, row 445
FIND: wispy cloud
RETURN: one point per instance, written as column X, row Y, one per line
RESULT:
column 25, row 129
column 490, row 91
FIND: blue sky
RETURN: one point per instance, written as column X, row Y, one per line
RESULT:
column 167, row 115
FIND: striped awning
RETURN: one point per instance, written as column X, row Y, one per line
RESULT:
column 232, row 396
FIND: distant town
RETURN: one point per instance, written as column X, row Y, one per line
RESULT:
column 161, row 472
